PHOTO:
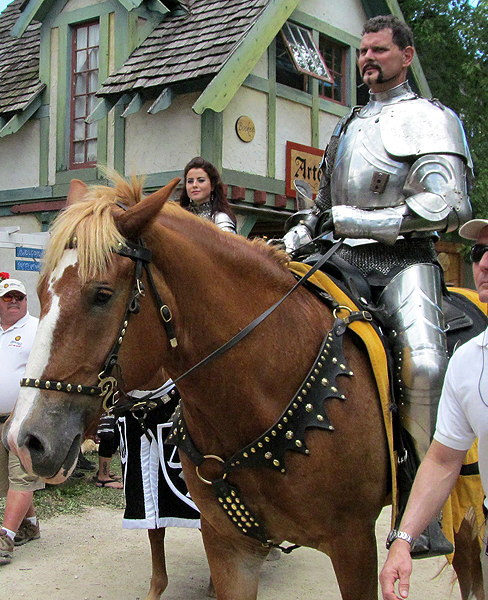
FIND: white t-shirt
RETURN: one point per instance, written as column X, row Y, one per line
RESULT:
column 463, row 408
column 15, row 346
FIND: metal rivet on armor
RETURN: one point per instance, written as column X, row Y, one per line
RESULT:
column 245, row 455
column 229, row 499
column 312, row 378
column 351, row 373
column 238, row 524
column 239, row 514
column 27, row 381
column 120, row 340
column 304, row 392
column 285, row 420
column 221, row 500
column 290, row 412
column 268, row 455
column 122, row 333
column 342, row 397
column 309, row 385
column 276, row 462
column 59, row 385
column 234, row 507
column 235, row 519
column 299, row 398
column 283, row 471
column 334, row 360
column 320, row 418
column 333, row 389
column 126, row 323
column 48, row 385
column 266, row 439
column 253, row 449
column 307, row 451
column 273, row 432
column 342, row 366
column 319, row 365
column 225, row 506
column 260, row 444
column 280, row 426
column 37, row 382
column 309, row 407
column 325, row 381
column 289, row 435
column 295, row 405
column 316, row 371
column 298, row 443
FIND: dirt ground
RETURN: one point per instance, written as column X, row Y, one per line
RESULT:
column 90, row 557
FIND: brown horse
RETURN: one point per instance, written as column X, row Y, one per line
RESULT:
column 210, row 286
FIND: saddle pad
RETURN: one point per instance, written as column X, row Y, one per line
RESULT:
column 466, row 499
column 376, row 353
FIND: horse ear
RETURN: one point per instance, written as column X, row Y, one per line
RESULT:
column 77, row 191
column 132, row 222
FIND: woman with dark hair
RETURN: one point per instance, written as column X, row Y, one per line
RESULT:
column 203, row 194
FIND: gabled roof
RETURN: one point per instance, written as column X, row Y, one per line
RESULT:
column 20, row 86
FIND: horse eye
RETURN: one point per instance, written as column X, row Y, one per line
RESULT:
column 102, row 297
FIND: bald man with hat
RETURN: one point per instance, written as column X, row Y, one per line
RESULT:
column 17, row 331
column 462, row 417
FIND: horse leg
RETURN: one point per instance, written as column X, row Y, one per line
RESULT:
column 159, row 576
column 466, row 562
column 354, row 557
column 234, row 567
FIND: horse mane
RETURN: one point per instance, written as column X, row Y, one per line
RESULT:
column 89, row 226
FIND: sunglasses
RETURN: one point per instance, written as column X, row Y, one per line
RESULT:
column 477, row 252
column 13, row 296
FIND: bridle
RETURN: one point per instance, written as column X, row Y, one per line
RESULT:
column 107, row 383
column 142, row 257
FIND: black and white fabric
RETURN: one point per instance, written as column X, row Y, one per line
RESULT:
column 155, row 491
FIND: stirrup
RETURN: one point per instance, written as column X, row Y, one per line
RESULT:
column 432, row 542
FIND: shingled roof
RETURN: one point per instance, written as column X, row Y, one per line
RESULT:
column 186, row 47
column 19, row 63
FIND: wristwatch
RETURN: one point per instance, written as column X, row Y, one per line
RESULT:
column 395, row 534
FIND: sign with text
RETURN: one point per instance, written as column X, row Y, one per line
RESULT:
column 27, row 265
column 21, row 252
column 302, row 162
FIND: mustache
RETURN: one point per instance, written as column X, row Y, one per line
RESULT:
column 369, row 65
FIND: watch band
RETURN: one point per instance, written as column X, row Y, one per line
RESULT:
column 396, row 534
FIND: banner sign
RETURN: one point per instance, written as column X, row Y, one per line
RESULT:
column 302, row 162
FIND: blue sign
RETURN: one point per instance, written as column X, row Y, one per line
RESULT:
column 29, row 252
column 27, row 265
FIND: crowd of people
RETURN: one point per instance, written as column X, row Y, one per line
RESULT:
column 390, row 184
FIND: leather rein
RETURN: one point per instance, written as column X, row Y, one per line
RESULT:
column 107, row 383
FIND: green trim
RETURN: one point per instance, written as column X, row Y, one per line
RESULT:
column 25, row 18
column 253, row 182
column 62, row 128
column 272, row 119
column 15, row 123
column 329, row 30
column 63, row 178
column 87, row 13
column 212, row 136
column 10, row 197
column 248, row 224
column 225, row 84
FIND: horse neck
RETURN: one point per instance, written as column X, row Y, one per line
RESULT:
column 219, row 285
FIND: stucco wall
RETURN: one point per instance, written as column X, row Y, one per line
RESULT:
column 165, row 141
column 293, row 125
column 19, row 152
column 249, row 157
column 347, row 15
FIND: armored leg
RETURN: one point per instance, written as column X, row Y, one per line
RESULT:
column 413, row 302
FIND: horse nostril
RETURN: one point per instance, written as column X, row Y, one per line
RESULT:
column 34, row 444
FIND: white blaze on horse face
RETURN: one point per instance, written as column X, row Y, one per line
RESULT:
column 41, row 349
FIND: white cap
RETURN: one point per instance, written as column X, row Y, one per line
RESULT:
column 11, row 285
column 472, row 229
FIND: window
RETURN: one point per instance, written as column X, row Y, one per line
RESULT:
column 286, row 72
column 335, row 57
column 84, row 84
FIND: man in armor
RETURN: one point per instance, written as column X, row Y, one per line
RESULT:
column 394, row 173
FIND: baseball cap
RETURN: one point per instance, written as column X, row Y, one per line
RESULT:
column 472, row 229
column 11, row 285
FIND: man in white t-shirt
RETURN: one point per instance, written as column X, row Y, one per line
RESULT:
column 462, row 417
column 17, row 332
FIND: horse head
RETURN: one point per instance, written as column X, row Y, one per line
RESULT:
column 87, row 289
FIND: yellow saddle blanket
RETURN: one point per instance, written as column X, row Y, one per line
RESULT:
column 467, row 495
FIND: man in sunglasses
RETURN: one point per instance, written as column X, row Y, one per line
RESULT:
column 462, row 417
column 17, row 332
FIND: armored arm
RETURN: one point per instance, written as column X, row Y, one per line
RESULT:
column 224, row 222
column 435, row 199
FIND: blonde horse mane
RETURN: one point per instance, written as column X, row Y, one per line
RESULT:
column 89, row 226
